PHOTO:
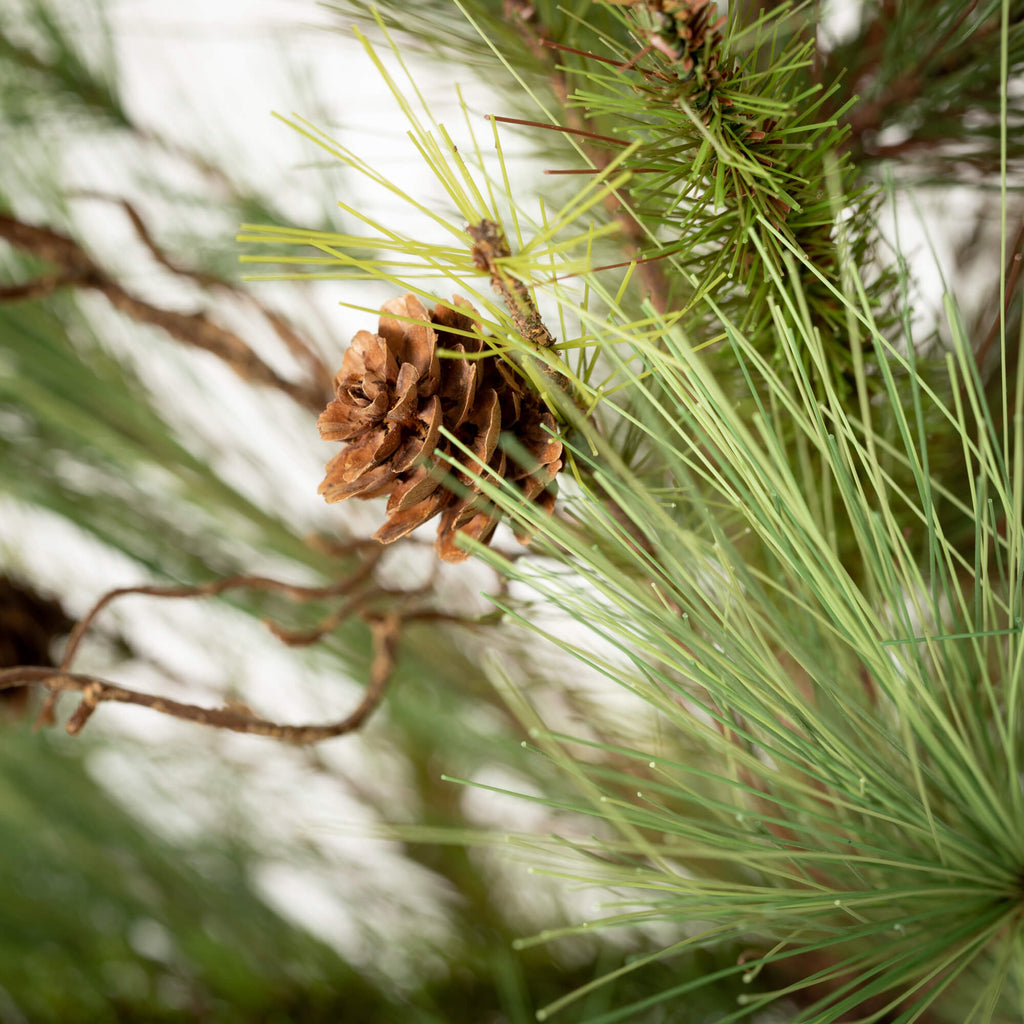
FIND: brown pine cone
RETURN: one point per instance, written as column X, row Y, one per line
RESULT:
column 393, row 394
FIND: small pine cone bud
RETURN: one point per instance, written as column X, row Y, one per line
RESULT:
column 689, row 34
column 394, row 393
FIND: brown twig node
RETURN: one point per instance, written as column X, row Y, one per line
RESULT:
column 489, row 249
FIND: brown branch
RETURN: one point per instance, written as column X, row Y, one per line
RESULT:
column 302, row 350
column 489, row 249
column 305, row 637
column 362, row 594
column 78, row 269
column 385, row 634
column 384, row 627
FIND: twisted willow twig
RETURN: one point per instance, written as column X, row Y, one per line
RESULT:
column 94, row 690
column 363, row 598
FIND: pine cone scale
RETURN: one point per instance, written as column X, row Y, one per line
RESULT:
column 487, row 421
column 406, row 395
column 372, row 484
column 422, row 440
column 421, row 482
column 404, row 521
column 479, row 527
column 368, row 361
column 367, row 453
column 459, row 390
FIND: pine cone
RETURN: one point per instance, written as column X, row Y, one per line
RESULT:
column 393, row 394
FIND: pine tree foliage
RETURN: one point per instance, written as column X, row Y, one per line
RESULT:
column 780, row 555
column 790, row 529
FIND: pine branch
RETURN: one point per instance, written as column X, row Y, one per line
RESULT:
column 620, row 204
column 736, row 163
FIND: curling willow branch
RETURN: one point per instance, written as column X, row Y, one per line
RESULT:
column 364, row 596
column 216, row 587
column 385, row 633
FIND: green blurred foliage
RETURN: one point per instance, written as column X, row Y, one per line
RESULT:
column 102, row 921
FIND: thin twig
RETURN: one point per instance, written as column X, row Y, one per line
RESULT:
column 306, row 637
column 215, row 587
column 362, row 594
column 146, row 237
column 489, row 249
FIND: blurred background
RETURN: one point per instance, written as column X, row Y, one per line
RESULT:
column 154, row 870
